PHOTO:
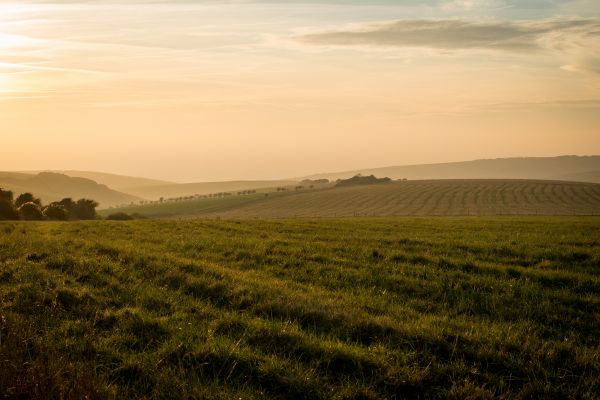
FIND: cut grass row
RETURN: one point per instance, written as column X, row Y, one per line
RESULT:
column 360, row 308
column 428, row 198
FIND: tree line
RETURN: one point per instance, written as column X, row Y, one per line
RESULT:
column 27, row 207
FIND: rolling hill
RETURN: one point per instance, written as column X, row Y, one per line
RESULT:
column 426, row 198
column 154, row 192
column 121, row 183
column 52, row 186
column 576, row 168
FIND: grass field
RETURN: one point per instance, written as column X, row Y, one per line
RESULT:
column 189, row 207
column 460, row 308
column 442, row 197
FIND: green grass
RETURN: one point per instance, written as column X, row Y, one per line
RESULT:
column 331, row 308
column 184, row 208
column 410, row 198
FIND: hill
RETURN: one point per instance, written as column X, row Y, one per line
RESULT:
column 386, row 308
column 52, row 187
column 121, row 183
column 154, row 192
column 588, row 176
column 548, row 168
column 436, row 197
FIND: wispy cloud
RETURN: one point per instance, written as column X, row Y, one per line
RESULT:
column 455, row 34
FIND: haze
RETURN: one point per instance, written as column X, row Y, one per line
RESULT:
column 216, row 90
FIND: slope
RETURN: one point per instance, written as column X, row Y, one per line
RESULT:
column 51, row 187
column 502, row 168
column 428, row 197
column 114, row 181
column 154, row 192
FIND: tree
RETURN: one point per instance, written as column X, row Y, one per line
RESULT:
column 7, row 209
column 6, row 195
column 69, row 205
column 56, row 212
column 31, row 212
column 26, row 198
column 85, row 209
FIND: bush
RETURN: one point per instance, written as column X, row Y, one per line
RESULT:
column 31, row 212
column 120, row 216
column 56, row 212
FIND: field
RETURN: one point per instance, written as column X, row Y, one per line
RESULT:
column 427, row 198
column 187, row 208
column 362, row 308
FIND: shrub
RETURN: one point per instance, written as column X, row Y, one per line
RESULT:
column 31, row 212
column 120, row 216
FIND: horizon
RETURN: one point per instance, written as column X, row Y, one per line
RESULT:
column 213, row 91
column 306, row 175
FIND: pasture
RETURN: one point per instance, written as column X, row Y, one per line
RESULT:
column 362, row 308
column 408, row 198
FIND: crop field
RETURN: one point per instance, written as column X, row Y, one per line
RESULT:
column 359, row 308
column 443, row 197
column 417, row 198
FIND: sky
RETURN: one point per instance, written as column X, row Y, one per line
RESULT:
column 219, row 90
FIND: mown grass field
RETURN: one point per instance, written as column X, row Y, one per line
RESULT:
column 331, row 308
column 409, row 198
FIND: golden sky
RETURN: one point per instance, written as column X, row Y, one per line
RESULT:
column 214, row 90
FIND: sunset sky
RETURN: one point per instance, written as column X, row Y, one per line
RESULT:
column 214, row 90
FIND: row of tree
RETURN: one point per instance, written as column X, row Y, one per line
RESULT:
column 27, row 207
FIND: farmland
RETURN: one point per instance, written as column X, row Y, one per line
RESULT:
column 426, row 198
column 359, row 308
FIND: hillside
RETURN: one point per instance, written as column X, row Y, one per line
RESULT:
column 176, row 209
column 121, row 183
column 154, row 192
column 588, row 176
column 550, row 168
column 443, row 197
column 52, row 186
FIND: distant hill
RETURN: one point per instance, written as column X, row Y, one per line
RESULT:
column 427, row 198
column 589, row 176
column 154, row 192
column 552, row 168
column 117, row 182
column 51, row 186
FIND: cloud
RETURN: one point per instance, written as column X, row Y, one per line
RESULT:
column 456, row 34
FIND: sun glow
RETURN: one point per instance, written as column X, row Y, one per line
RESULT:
column 11, row 8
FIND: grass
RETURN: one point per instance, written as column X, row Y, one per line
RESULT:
column 170, row 209
column 410, row 198
column 331, row 308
